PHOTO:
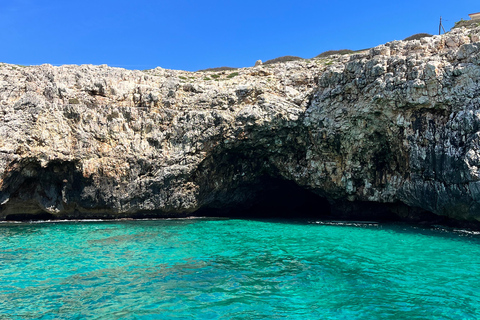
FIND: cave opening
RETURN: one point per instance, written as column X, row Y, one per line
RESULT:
column 29, row 217
column 270, row 198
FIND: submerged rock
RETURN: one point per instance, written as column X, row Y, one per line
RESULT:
column 392, row 130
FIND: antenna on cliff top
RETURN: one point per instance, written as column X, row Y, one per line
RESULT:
column 440, row 27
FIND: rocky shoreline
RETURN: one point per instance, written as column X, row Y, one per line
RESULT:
column 390, row 132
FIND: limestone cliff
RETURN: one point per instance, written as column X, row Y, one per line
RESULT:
column 393, row 129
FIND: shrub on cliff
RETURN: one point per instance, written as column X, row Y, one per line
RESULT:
column 218, row 69
column 332, row 52
column 466, row 23
column 418, row 36
column 282, row 59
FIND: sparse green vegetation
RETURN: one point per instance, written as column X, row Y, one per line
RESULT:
column 217, row 69
column 182, row 77
column 332, row 52
column 233, row 74
column 466, row 23
column 460, row 23
column 207, row 78
column 418, row 36
column 282, row 59
column 215, row 76
column 73, row 101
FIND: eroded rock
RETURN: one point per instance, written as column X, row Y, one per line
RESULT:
column 394, row 127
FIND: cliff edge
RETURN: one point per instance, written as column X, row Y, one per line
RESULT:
column 393, row 130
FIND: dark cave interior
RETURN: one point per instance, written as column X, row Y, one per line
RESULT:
column 270, row 198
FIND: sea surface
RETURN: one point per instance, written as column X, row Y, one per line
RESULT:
column 237, row 269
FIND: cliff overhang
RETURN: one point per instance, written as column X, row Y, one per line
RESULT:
column 390, row 132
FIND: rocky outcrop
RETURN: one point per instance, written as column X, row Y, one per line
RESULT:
column 392, row 130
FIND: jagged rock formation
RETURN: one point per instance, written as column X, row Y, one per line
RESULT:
column 395, row 129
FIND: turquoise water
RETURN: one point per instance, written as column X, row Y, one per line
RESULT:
column 237, row 269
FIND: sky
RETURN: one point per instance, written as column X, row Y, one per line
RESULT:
column 194, row 35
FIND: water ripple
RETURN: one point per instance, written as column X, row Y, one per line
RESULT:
column 237, row 269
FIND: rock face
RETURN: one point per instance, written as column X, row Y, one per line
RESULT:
column 393, row 130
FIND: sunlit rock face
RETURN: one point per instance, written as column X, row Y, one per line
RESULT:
column 392, row 131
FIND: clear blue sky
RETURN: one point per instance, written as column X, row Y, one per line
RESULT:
column 192, row 35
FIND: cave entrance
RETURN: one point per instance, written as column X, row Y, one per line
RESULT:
column 29, row 217
column 271, row 198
